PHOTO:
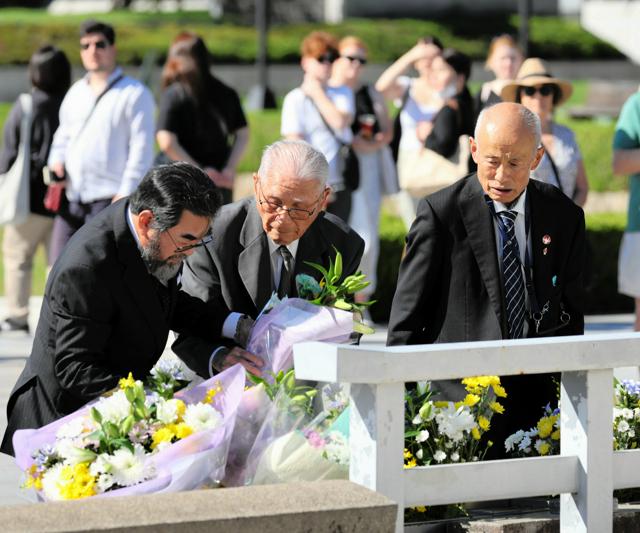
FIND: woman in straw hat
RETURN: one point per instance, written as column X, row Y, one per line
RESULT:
column 562, row 164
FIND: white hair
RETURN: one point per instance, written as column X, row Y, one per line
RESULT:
column 529, row 119
column 298, row 158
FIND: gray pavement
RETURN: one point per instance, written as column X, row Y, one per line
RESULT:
column 15, row 348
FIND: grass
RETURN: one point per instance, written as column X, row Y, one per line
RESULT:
column 139, row 34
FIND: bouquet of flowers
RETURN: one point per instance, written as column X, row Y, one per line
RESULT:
column 544, row 439
column 323, row 312
column 448, row 432
column 626, row 415
column 136, row 441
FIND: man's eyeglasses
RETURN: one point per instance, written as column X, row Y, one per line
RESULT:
column 100, row 45
column 296, row 213
column 328, row 57
column 544, row 90
column 181, row 249
column 354, row 59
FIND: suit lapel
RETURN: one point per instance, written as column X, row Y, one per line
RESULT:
column 139, row 282
column 254, row 264
column 476, row 217
column 542, row 229
column 313, row 247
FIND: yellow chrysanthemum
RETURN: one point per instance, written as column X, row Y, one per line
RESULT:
column 556, row 435
column 499, row 390
column 182, row 430
column 410, row 464
column 34, row 480
column 407, row 454
column 420, row 508
column 544, row 448
column 76, row 482
column 127, row 382
column 164, row 434
column 471, row 399
column 545, row 426
column 180, row 408
column 483, row 422
column 475, row 433
column 496, row 407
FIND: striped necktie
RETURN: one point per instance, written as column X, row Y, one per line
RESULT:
column 512, row 276
column 286, row 273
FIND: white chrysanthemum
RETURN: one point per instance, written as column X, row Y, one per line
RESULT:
column 104, row 482
column 627, row 413
column 420, row 454
column 538, row 445
column 623, row 426
column 75, row 428
column 201, row 416
column 72, row 452
column 636, row 413
column 454, row 422
column 114, row 408
column 512, row 440
column 631, row 433
column 51, row 483
column 439, row 456
column 525, row 443
column 422, row 436
column 167, row 410
column 130, row 468
column 100, row 465
column 455, row 457
column 417, row 419
column 337, row 448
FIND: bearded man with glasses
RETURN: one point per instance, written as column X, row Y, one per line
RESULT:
column 261, row 244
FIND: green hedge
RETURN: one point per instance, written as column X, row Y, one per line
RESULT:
column 604, row 232
column 23, row 30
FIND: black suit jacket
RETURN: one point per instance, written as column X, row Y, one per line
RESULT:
column 450, row 288
column 101, row 318
column 449, row 285
column 234, row 270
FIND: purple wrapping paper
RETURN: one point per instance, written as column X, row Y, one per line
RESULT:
column 184, row 465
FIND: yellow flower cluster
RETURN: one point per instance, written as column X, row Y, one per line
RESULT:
column 409, row 459
column 545, row 426
column 478, row 384
column 497, row 407
column 211, row 393
column 471, row 399
column 34, row 479
column 76, row 482
column 127, row 382
column 169, row 432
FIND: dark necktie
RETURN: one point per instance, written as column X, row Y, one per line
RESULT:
column 286, row 273
column 512, row 276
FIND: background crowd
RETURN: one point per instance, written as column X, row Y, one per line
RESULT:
column 99, row 140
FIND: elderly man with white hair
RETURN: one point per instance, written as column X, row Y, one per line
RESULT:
column 496, row 255
column 260, row 244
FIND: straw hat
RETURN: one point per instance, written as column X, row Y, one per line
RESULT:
column 534, row 71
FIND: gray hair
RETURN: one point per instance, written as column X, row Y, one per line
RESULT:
column 529, row 119
column 298, row 158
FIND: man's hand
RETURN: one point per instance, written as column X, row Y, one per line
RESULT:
column 226, row 358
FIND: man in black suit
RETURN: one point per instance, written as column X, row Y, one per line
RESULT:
column 262, row 243
column 452, row 287
column 112, row 297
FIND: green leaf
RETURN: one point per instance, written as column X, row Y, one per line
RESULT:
column 130, row 393
column 338, row 265
column 341, row 304
column 95, row 414
column 127, row 424
column 319, row 268
column 359, row 327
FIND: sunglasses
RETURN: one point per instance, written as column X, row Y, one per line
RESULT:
column 100, row 45
column 327, row 58
column 353, row 59
column 544, row 90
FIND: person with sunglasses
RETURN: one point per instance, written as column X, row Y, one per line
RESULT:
column 113, row 296
column 262, row 243
column 321, row 114
column 372, row 132
column 562, row 164
column 104, row 143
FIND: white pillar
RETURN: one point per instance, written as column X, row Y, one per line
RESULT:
column 587, row 432
column 377, row 441
column 333, row 11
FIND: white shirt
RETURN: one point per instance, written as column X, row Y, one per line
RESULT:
column 411, row 115
column 301, row 117
column 110, row 154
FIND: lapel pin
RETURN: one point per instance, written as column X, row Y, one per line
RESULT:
column 554, row 280
column 546, row 240
column 544, row 251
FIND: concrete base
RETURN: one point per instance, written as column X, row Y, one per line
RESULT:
column 330, row 506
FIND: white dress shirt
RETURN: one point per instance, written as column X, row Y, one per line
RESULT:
column 110, row 154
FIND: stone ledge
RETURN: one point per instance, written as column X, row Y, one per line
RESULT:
column 338, row 506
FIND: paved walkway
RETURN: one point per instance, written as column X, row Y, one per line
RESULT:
column 15, row 348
